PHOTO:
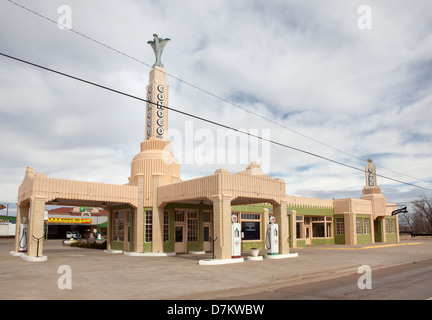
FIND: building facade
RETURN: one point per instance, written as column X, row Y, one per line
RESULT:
column 84, row 221
column 7, row 226
column 158, row 213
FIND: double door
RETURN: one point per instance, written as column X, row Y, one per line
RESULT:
column 122, row 228
column 180, row 231
column 186, row 228
column 180, row 243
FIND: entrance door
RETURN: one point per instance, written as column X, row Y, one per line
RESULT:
column 207, row 235
column 377, row 231
column 121, row 229
column 307, row 235
column 180, row 243
column 180, row 239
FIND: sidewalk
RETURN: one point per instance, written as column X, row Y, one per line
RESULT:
column 99, row 275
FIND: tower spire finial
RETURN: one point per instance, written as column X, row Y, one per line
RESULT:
column 158, row 44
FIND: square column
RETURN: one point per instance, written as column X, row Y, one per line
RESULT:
column 109, row 228
column 293, row 229
column 139, row 217
column 266, row 213
column 280, row 213
column 222, row 226
column 36, row 226
column 157, row 115
column 350, row 228
column 158, row 213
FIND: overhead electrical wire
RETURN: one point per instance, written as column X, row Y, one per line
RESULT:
column 208, row 92
column 207, row 120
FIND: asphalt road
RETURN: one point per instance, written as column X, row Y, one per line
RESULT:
column 412, row 281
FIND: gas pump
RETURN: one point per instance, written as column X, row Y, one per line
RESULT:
column 235, row 238
column 272, row 243
column 22, row 244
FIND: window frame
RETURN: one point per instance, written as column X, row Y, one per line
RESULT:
column 192, row 225
column 253, row 217
column 148, row 220
column 118, row 226
column 340, row 226
column 325, row 225
column 166, row 226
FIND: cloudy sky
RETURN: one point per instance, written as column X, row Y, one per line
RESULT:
column 334, row 78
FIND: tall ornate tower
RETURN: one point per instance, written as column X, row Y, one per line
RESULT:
column 372, row 192
column 155, row 157
column 157, row 94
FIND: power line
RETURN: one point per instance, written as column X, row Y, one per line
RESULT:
column 209, row 121
column 209, row 93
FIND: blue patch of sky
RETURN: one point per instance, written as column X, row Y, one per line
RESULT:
column 243, row 97
column 417, row 137
column 416, row 87
column 287, row 115
column 303, row 168
column 200, row 45
column 376, row 156
column 295, row 18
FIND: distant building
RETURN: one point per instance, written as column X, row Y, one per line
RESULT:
column 86, row 221
column 7, row 226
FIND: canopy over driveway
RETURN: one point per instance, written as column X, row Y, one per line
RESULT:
column 223, row 190
column 37, row 190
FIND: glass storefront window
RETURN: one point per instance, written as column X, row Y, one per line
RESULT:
column 250, row 230
column 118, row 226
column 148, row 226
column 340, row 226
column 299, row 230
column 318, row 230
column 250, row 226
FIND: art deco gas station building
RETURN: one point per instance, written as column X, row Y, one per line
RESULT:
column 156, row 213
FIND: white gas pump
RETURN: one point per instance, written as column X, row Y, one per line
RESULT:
column 235, row 238
column 22, row 243
column 272, row 241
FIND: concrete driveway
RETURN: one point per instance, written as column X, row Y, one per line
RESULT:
column 99, row 275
